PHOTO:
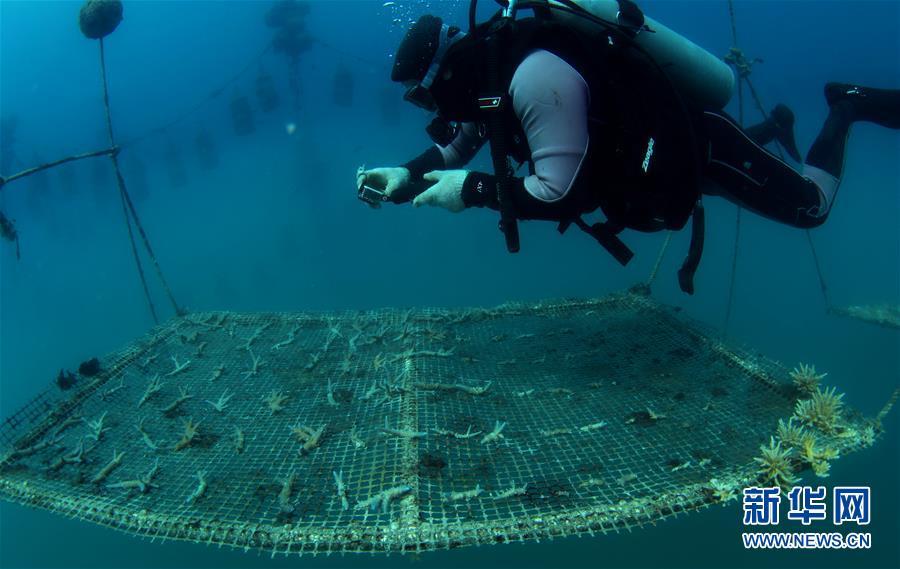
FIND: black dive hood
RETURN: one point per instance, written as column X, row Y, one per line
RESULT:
column 419, row 94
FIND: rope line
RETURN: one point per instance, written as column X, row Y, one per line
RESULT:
column 55, row 163
column 128, row 206
column 159, row 130
column 215, row 93
column 120, row 185
column 733, row 280
column 744, row 67
column 734, row 38
column 659, row 258
column 737, row 59
column 821, row 276
column 137, row 259
column 202, row 103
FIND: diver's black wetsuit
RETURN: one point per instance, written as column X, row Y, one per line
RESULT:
column 740, row 170
column 558, row 133
column 774, row 189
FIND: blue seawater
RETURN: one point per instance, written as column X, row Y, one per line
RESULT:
column 276, row 226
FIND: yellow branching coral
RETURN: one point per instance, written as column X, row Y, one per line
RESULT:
column 722, row 491
column 775, row 465
column 867, row 436
column 189, row 434
column 309, row 438
column 821, row 468
column 275, row 401
column 790, row 433
column 806, row 379
column 821, row 411
column 817, row 457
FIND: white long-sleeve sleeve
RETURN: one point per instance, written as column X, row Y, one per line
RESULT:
column 464, row 147
column 551, row 100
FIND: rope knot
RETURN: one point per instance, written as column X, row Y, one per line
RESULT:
column 740, row 62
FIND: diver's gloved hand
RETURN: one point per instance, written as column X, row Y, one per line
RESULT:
column 446, row 192
column 390, row 179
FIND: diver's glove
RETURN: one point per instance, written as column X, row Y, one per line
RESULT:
column 390, row 179
column 446, row 192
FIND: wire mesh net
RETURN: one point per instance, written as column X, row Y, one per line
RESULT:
column 403, row 430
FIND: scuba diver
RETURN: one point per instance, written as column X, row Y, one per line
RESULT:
column 610, row 110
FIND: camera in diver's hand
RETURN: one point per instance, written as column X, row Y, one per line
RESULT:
column 367, row 192
column 372, row 196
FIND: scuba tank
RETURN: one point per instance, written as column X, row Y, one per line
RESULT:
column 703, row 79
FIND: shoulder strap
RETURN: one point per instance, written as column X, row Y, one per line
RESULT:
column 493, row 104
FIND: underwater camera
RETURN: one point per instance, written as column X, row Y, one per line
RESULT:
column 367, row 193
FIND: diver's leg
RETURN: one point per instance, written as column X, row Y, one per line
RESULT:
column 747, row 174
column 879, row 106
column 848, row 104
column 779, row 126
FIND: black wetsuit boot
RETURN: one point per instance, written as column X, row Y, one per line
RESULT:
column 779, row 126
column 848, row 104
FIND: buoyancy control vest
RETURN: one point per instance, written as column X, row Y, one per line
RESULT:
column 642, row 167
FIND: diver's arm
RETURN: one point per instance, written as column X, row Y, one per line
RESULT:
column 551, row 100
column 431, row 159
column 464, row 146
